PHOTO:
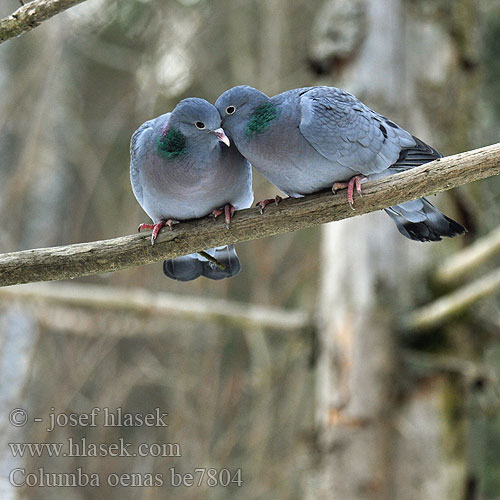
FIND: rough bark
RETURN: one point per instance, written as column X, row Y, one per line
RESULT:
column 47, row 264
column 31, row 15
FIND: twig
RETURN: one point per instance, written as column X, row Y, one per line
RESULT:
column 469, row 259
column 31, row 15
column 144, row 302
column 439, row 364
column 46, row 264
column 212, row 259
column 447, row 306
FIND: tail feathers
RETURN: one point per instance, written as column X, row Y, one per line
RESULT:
column 190, row 267
column 420, row 220
column 414, row 156
column 184, row 268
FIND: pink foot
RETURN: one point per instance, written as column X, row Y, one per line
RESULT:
column 353, row 182
column 228, row 211
column 263, row 204
column 157, row 227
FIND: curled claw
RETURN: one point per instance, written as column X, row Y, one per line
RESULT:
column 157, row 228
column 215, row 213
column 263, row 204
column 228, row 211
column 337, row 186
column 350, row 185
column 145, row 226
column 228, row 214
column 358, row 180
column 170, row 223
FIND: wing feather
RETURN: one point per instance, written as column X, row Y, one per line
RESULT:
column 344, row 130
column 138, row 151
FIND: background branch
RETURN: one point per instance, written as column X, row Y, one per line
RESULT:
column 83, row 259
column 437, row 312
column 31, row 15
column 470, row 258
column 427, row 364
column 143, row 302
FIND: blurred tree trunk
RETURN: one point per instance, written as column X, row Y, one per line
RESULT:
column 375, row 439
column 18, row 335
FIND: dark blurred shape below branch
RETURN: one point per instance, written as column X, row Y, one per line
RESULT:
column 47, row 264
column 31, row 15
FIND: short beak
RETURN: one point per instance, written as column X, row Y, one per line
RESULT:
column 221, row 135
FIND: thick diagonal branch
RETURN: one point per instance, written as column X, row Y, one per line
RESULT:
column 31, row 15
column 47, row 264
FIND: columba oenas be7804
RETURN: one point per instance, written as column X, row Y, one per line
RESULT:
column 308, row 139
column 179, row 169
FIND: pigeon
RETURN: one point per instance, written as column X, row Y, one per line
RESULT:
column 308, row 139
column 183, row 166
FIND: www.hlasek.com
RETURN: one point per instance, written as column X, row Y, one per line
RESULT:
column 82, row 447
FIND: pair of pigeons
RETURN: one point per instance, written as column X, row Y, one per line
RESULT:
column 195, row 161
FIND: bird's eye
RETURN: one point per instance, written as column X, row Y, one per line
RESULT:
column 230, row 110
column 200, row 125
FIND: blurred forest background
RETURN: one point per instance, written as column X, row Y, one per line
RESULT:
column 352, row 400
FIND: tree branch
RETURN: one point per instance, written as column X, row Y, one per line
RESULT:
column 470, row 258
column 435, row 313
column 83, row 259
column 144, row 303
column 437, row 364
column 31, row 15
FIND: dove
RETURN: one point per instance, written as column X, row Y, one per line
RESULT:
column 183, row 166
column 308, row 139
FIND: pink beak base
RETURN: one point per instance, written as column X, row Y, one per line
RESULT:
column 221, row 135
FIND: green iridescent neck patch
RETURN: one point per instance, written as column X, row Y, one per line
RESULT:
column 261, row 118
column 172, row 143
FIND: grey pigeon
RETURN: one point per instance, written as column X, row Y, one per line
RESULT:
column 308, row 139
column 179, row 169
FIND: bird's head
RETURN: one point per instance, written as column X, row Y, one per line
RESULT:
column 237, row 105
column 198, row 121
